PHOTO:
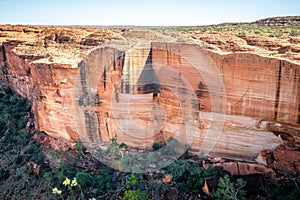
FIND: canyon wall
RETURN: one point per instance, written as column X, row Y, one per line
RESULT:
column 261, row 87
column 221, row 99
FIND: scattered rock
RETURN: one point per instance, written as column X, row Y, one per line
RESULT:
column 216, row 160
column 210, row 185
column 30, row 124
column 265, row 158
column 241, row 168
column 231, row 167
column 286, row 131
column 36, row 168
column 206, row 164
column 283, row 49
column 167, row 178
column 249, row 168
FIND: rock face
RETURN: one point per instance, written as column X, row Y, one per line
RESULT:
column 267, row 88
column 287, row 158
column 241, row 168
column 146, row 86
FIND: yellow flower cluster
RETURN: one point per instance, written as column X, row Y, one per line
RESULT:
column 56, row 191
column 66, row 182
column 73, row 183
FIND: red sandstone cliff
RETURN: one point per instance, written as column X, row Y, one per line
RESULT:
column 56, row 69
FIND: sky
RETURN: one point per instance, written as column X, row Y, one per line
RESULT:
column 139, row 12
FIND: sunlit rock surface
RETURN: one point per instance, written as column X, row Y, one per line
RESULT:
column 145, row 86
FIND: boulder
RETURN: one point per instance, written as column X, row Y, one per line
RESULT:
column 265, row 158
column 242, row 168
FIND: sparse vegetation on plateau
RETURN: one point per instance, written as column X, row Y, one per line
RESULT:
column 273, row 27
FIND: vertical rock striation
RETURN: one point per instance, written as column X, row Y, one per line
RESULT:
column 146, row 91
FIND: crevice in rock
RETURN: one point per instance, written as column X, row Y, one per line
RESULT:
column 106, row 123
column 89, row 124
column 98, row 122
column 122, row 83
column 4, row 67
column 299, row 114
column 114, row 62
column 278, row 89
column 104, row 77
column 86, row 101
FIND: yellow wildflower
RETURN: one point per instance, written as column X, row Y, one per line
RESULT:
column 56, row 191
column 74, row 182
column 67, row 182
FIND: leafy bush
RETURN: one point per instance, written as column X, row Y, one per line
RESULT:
column 88, row 183
column 84, row 179
column 79, row 147
column 19, row 152
column 103, row 181
column 33, row 153
column 294, row 32
column 114, row 149
column 228, row 190
column 241, row 34
column 158, row 189
column 134, row 195
column 156, row 146
column 132, row 181
column 286, row 192
column 189, row 176
column 258, row 32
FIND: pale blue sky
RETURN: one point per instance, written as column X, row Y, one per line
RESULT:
column 139, row 12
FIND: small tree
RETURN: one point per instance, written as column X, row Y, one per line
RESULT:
column 228, row 190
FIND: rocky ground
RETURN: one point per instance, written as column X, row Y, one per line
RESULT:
column 275, row 37
column 54, row 44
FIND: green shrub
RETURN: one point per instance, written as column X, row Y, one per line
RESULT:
column 228, row 190
column 294, row 32
column 84, row 179
column 18, row 180
column 189, row 176
column 258, row 32
column 158, row 189
column 132, row 181
column 156, row 146
column 114, row 150
column 79, row 147
column 103, row 181
column 286, row 192
column 241, row 34
column 274, row 53
column 132, row 191
column 134, row 195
